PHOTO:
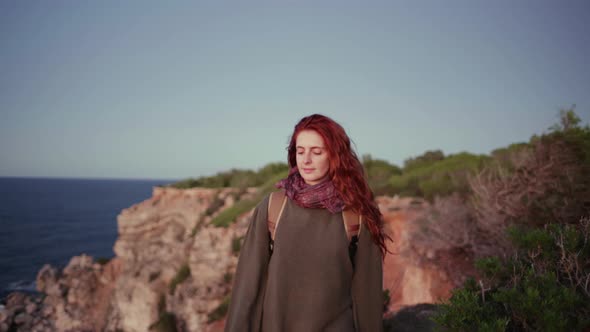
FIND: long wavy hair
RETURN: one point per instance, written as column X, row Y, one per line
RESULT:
column 346, row 172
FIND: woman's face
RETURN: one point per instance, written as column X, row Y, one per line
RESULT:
column 312, row 157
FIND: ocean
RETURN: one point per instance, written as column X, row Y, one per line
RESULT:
column 47, row 221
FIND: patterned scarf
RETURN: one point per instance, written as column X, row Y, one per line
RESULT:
column 318, row 196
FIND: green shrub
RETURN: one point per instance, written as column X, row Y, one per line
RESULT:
column 227, row 277
column 236, row 244
column 542, row 288
column 426, row 159
column 431, row 177
column 183, row 273
column 219, row 312
column 237, row 178
column 215, row 205
column 166, row 320
column 200, row 223
column 229, row 215
column 102, row 260
column 378, row 174
column 166, row 323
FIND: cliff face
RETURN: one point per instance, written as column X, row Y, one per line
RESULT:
column 408, row 279
column 160, row 241
column 173, row 267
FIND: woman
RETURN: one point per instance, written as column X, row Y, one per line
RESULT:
column 306, row 279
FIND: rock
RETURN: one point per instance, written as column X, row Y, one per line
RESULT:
column 15, row 300
column 23, row 319
column 78, row 263
column 47, row 311
column 46, row 277
column 30, row 308
column 412, row 319
column 3, row 314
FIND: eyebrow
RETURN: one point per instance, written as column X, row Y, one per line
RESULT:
column 311, row 147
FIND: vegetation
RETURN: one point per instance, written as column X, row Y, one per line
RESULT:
column 166, row 323
column 378, row 174
column 102, row 260
column 220, row 311
column 437, row 176
column 543, row 287
column 530, row 230
column 215, row 205
column 166, row 320
column 198, row 225
column 235, row 178
column 236, row 244
column 183, row 273
column 228, row 216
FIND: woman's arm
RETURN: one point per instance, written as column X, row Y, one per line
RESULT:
column 367, row 285
column 245, row 309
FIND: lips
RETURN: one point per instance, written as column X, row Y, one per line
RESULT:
column 308, row 170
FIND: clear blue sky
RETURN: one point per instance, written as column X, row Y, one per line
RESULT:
column 137, row 89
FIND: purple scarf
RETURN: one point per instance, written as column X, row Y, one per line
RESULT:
column 319, row 196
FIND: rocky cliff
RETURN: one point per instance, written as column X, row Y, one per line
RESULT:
column 174, row 269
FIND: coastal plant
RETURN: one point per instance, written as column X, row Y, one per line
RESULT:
column 437, row 176
column 549, row 180
column 228, row 277
column 181, row 275
column 230, row 215
column 198, row 225
column 166, row 320
column 236, row 244
column 378, row 172
column 220, row 311
column 102, row 260
column 238, row 178
column 544, row 286
column 215, row 205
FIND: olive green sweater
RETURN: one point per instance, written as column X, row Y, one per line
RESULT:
column 308, row 284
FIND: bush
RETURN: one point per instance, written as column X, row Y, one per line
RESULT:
column 378, row 174
column 236, row 244
column 183, row 273
column 220, row 311
column 166, row 320
column 237, row 178
column 438, row 177
column 543, row 287
column 166, row 323
column 102, row 260
column 217, row 204
column 229, row 216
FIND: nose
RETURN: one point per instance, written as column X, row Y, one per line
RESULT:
column 307, row 158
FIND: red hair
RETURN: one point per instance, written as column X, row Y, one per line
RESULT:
column 346, row 172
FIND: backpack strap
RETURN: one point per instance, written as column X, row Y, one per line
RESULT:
column 352, row 225
column 276, row 205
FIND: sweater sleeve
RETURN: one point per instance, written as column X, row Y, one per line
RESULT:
column 245, row 308
column 367, row 285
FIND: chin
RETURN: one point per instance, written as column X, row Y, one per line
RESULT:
column 314, row 179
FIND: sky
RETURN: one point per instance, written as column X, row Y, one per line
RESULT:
column 170, row 90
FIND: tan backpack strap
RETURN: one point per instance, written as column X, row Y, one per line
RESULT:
column 276, row 204
column 352, row 223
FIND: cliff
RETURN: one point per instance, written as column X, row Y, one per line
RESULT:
column 173, row 268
